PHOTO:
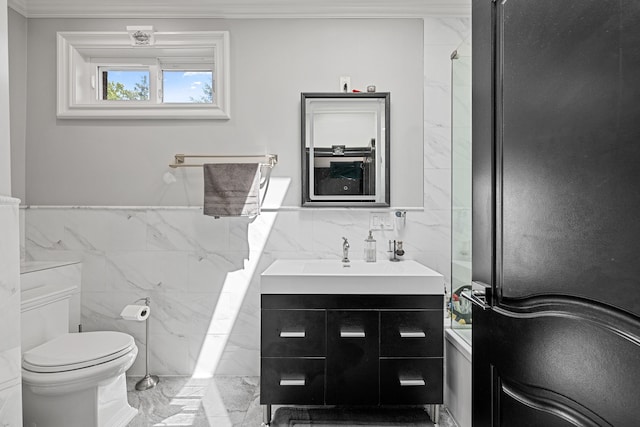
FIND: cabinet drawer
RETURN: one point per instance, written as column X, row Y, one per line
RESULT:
column 293, row 333
column 411, row 333
column 291, row 381
column 411, row 381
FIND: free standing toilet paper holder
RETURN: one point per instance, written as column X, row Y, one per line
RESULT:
column 148, row 381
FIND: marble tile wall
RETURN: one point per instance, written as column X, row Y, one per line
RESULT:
column 202, row 274
column 10, row 379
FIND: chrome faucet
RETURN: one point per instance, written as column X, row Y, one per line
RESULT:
column 345, row 250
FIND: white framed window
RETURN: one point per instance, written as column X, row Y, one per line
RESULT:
column 146, row 74
column 187, row 85
column 187, row 80
column 123, row 83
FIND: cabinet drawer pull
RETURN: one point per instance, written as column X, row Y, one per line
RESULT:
column 300, row 382
column 291, row 334
column 412, row 334
column 410, row 383
column 352, row 334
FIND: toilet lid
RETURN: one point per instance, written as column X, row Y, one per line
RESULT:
column 77, row 350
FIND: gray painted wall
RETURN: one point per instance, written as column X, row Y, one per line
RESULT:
column 18, row 100
column 121, row 163
column 5, row 146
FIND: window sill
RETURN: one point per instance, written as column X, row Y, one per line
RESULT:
column 196, row 112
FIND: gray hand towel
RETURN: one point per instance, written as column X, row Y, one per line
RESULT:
column 231, row 189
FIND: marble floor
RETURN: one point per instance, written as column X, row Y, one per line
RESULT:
column 213, row 402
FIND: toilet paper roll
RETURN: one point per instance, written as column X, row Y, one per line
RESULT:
column 136, row 312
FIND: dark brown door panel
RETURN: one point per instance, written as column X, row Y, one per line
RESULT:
column 556, row 196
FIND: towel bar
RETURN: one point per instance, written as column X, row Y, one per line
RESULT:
column 269, row 160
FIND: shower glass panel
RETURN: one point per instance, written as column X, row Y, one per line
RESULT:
column 460, row 308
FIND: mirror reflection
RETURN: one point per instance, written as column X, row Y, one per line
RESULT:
column 345, row 149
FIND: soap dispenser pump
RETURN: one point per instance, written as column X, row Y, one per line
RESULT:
column 370, row 248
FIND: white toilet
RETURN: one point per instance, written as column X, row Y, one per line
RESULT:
column 71, row 379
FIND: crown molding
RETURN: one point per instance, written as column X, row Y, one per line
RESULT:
column 246, row 9
column 19, row 6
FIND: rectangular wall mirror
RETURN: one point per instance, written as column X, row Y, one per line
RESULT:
column 345, row 149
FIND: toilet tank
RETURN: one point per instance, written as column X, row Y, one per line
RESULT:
column 50, row 301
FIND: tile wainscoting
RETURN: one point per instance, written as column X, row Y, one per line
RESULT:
column 10, row 357
column 201, row 273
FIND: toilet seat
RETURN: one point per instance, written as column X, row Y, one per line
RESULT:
column 74, row 351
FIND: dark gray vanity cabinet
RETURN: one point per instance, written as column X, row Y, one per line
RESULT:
column 351, row 349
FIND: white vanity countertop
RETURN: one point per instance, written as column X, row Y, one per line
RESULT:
column 327, row 276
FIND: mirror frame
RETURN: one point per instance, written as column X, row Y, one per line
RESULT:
column 338, row 201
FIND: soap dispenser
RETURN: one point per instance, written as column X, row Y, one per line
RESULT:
column 370, row 248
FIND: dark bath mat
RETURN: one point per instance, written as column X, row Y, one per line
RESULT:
column 350, row 416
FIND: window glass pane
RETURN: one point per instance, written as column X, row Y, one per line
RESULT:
column 187, row 87
column 125, row 85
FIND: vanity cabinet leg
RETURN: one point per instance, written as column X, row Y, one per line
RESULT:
column 435, row 414
column 266, row 415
